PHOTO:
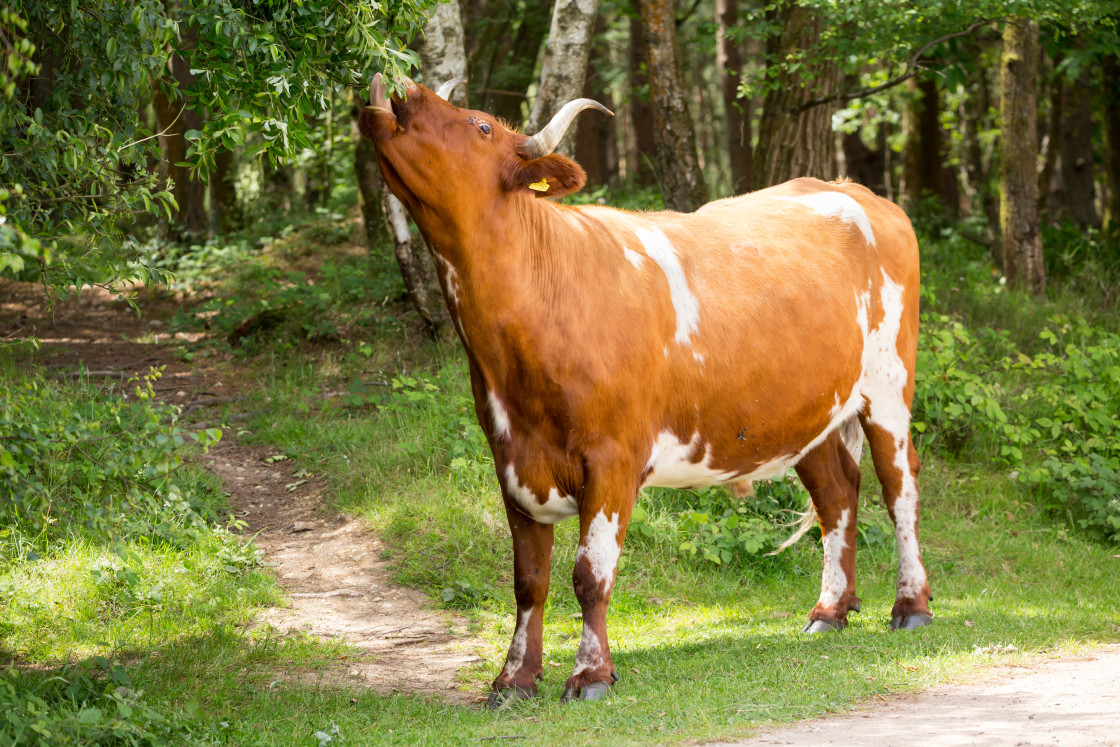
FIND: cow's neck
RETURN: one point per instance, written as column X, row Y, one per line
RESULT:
column 494, row 267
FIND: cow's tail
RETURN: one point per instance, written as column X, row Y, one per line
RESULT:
column 852, row 435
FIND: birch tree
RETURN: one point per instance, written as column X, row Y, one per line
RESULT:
column 565, row 64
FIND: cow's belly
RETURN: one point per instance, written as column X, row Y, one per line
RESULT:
column 711, row 453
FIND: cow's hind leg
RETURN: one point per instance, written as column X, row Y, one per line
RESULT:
column 532, row 563
column 608, row 501
column 831, row 476
column 897, row 466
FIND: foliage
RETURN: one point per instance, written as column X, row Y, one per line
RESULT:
column 1049, row 417
column 94, row 702
column 79, row 173
column 102, row 460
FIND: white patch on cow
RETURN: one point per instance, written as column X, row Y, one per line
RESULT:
column 834, row 582
column 837, row 205
column 500, row 416
column 671, row 464
column 601, row 549
column 661, row 251
column 665, row 350
column 451, row 282
column 515, row 658
column 698, row 358
column 883, row 384
column 635, row 259
column 451, row 279
column 556, row 508
column 590, row 653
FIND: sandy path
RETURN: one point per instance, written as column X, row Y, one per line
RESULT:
column 334, row 572
column 1072, row 702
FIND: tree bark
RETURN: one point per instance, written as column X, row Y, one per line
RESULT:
column 565, row 64
column 641, row 157
column 790, row 143
column 1110, row 102
column 223, row 192
column 367, row 174
column 174, row 118
column 678, row 166
column 417, row 273
column 1020, row 234
column 865, row 165
column 738, row 112
column 442, row 53
column 1076, row 195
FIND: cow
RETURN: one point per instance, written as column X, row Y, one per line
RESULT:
column 612, row 350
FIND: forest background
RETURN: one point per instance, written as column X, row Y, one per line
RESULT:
column 199, row 161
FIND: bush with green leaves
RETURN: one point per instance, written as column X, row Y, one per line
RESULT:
column 78, row 169
column 1051, row 417
column 104, row 462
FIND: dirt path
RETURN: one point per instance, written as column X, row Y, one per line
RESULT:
column 330, row 565
column 1071, row 702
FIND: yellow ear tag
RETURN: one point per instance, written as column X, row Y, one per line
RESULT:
column 541, row 186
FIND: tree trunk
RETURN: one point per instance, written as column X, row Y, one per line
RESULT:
column 1021, row 238
column 174, row 119
column 738, row 112
column 1076, row 196
column 678, row 167
column 1110, row 103
column 418, row 277
column 442, row 53
column 595, row 135
column 865, row 165
column 565, row 63
column 923, row 155
column 367, row 174
column 791, row 142
column 223, row 192
column 640, row 159
column 442, row 57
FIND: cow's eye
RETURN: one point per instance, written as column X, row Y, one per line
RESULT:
column 485, row 128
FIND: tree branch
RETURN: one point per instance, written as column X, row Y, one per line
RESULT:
column 913, row 66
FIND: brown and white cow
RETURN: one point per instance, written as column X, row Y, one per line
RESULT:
column 611, row 350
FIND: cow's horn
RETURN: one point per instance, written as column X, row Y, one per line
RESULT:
column 545, row 141
column 445, row 90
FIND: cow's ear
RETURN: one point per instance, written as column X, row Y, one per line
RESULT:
column 550, row 176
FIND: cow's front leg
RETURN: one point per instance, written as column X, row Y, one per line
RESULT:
column 604, row 514
column 532, row 562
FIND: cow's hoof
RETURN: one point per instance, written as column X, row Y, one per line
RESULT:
column 502, row 698
column 912, row 621
column 822, row 626
column 594, row 691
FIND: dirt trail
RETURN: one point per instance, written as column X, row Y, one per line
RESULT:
column 330, row 565
column 1073, row 701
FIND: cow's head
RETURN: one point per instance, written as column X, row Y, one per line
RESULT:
column 437, row 158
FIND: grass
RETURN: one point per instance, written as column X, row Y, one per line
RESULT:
column 703, row 651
